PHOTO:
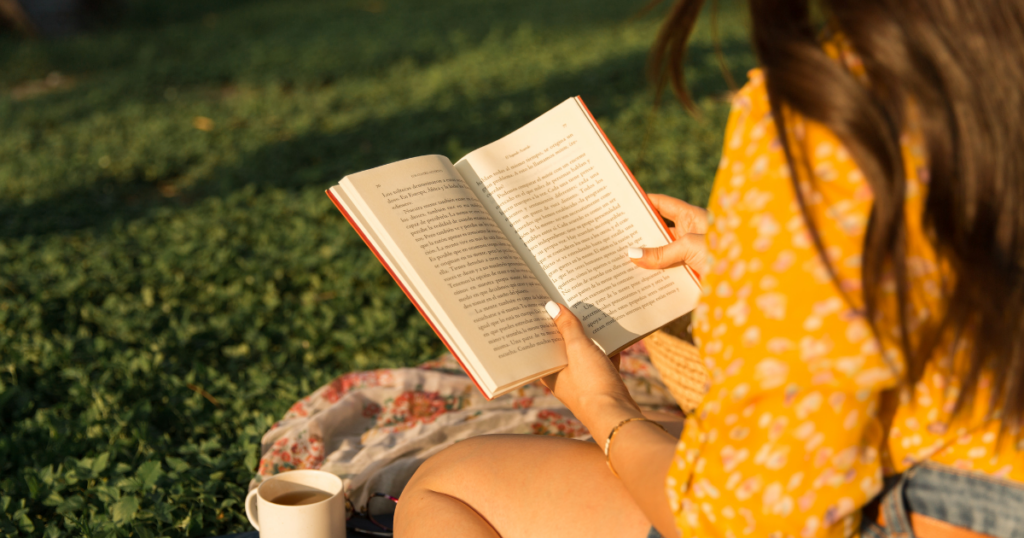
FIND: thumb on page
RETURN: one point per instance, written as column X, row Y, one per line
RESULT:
column 576, row 340
column 578, row 346
column 590, row 375
column 567, row 322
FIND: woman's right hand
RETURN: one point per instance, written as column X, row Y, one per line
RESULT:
column 688, row 248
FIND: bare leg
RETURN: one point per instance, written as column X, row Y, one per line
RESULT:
column 517, row 486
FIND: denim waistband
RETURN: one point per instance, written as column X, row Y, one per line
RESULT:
column 975, row 501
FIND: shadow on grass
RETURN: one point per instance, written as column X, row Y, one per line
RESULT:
column 159, row 44
column 320, row 159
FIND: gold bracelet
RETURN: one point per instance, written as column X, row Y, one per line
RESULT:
column 608, row 441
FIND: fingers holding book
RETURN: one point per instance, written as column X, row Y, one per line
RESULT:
column 689, row 249
column 688, row 219
column 690, row 224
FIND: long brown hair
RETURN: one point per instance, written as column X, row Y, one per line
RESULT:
column 961, row 63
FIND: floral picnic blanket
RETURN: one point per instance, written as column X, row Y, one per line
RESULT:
column 374, row 428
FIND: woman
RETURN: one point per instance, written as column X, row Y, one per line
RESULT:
column 864, row 297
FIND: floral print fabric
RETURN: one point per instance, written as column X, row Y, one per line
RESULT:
column 788, row 441
column 374, row 428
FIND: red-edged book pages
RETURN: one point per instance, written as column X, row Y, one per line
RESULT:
column 545, row 213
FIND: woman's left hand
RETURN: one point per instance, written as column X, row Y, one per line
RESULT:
column 688, row 248
column 590, row 386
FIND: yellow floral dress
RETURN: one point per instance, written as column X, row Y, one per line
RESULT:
column 788, row 441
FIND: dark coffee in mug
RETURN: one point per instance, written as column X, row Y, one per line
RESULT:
column 300, row 498
column 304, row 503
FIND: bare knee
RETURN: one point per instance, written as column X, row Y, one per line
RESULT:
column 490, row 482
column 465, row 460
column 439, row 493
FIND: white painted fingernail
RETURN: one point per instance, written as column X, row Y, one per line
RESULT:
column 635, row 252
column 553, row 310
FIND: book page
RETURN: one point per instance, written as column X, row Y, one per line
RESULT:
column 559, row 192
column 456, row 261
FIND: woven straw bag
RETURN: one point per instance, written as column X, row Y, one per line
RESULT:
column 680, row 367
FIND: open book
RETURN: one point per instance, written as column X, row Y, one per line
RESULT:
column 480, row 246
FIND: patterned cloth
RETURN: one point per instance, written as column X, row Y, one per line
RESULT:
column 374, row 428
column 788, row 440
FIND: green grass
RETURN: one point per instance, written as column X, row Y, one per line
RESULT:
column 167, row 292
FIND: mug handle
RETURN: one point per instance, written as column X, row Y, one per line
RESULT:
column 250, row 509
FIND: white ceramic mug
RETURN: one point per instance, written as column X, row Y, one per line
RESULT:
column 322, row 519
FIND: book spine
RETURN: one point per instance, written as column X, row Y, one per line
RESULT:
column 661, row 222
column 394, row 276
